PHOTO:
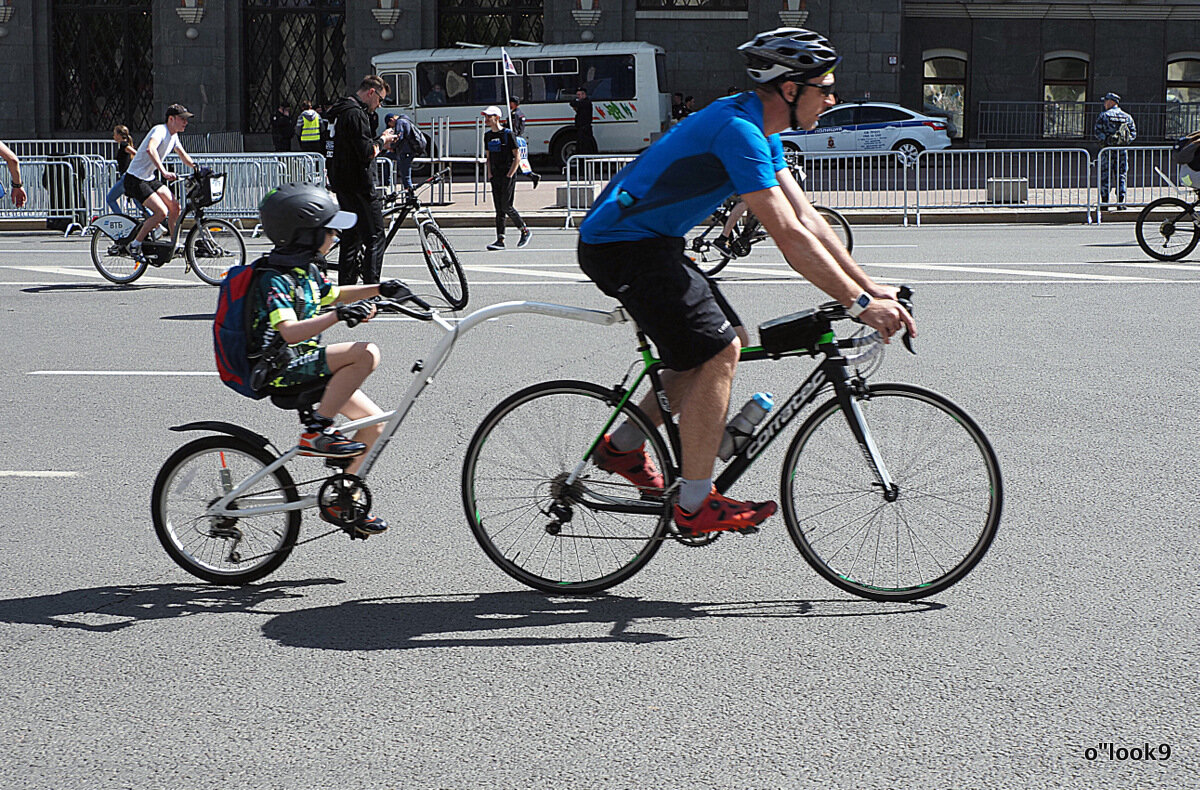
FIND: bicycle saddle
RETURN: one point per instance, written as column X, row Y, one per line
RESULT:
column 298, row 398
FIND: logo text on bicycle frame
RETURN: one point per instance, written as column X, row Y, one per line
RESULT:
column 785, row 414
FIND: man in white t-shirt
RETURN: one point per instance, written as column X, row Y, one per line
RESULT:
column 147, row 177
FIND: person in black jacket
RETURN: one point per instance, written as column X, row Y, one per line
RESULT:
column 281, row 128
column 352, row 178
column 517, row 117
column 585, row 142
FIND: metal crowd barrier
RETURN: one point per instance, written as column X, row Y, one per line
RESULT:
column 55, row 191
column 1143, row 183
column 105, row 149
column 587, row 176
column 876, row 180
column 213, row 143
column 1039, row 177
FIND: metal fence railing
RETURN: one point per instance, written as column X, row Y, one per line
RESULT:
column 213, row 143
column 587, row 175
column 876, row 180
column 1067, row 121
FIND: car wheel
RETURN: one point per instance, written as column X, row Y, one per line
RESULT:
column 908, row 150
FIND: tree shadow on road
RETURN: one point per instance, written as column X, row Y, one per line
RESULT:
column 508, row 619
column 112, row 608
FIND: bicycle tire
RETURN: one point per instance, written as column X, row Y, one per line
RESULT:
column 839, row 224
column 113, row 263
column 212, row 248
column 708, row 258
column 1164, row 230
column 860, row 542
column 181, row 528
column 514, row 471
column 442, row 261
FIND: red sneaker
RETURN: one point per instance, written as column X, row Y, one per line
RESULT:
column 721, row 514
column 633, row 465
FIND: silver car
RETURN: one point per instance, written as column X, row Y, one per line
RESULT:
column 871, row 126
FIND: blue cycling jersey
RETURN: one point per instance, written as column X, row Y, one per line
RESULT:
column 678, row 182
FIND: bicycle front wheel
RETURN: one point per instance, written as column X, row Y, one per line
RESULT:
column 443, row 264
column 915, row 541
column 839, row 224
column 213, row 247
column 541, row 528
column 1167, row 229
column 113, row 261
column 223, row 550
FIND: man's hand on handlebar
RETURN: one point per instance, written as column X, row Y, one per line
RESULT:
column 888, row 316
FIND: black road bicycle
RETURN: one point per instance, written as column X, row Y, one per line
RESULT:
column 211, row 248
column 440, row 257
column 1169, row 228
column 889, row 491
column 747, row 232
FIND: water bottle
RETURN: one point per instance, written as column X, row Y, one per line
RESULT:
column 742, row 425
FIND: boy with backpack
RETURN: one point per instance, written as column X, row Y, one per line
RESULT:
column 281, row 296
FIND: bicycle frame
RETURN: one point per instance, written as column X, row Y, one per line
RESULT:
column 425, row 373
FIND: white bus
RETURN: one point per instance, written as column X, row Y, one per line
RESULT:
column 624, row 80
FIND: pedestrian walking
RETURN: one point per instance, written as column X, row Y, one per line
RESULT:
column 585, row 142
column 352, row 178
column 281, row 128
column 14, row 173
column 1116, row 128
column 311, row 129
column 125, row 154
column 517, row 116
column 503, row 159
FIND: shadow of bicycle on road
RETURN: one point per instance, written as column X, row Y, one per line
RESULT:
column 513, row 619
column 113, row 608
column 101, row 288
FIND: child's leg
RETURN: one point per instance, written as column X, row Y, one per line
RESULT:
column 350, row 363
column 358, row 407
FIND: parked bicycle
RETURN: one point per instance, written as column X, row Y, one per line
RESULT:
column 1169, row 228
column 211, row 247
column 440, row 257
column 747, row 232
column 889, row 491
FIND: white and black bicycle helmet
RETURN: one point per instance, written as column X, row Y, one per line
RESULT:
column 292, row 214
column 790, row 53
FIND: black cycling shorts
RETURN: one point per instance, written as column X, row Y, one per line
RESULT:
column 139, row 190
column 675, row 303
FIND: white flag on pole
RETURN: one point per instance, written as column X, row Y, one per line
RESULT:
column 509, row 68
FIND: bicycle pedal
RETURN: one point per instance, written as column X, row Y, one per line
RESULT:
column 746, row 531
column 338, row 463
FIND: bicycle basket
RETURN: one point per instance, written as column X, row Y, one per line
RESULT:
column 206, row 189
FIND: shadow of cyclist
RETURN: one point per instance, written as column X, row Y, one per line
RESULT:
column 509, row 619
column 107, row 609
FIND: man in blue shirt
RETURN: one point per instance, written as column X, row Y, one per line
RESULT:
column 632, row 247
column 1116, row 129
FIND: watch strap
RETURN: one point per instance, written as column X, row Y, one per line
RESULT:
column 860, row 303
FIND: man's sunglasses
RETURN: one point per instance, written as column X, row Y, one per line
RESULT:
column 827, row 90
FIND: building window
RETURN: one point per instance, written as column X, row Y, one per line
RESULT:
column 294, row 52
column 945, row 87
column 489, row 22
column 1183, row 95
column 1064, row 91
column 103, row 66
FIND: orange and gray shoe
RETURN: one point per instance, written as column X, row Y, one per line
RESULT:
column 633, row 465
column 721, row 514
column 329, row 443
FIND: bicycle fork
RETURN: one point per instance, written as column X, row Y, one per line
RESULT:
column 847, row 394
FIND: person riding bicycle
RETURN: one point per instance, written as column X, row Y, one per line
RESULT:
column 302, row 220
column 147, row 177
column 631, row 245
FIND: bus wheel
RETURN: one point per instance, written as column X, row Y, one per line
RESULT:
column 563, row 148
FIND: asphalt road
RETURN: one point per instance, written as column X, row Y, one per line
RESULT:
column 411, row 661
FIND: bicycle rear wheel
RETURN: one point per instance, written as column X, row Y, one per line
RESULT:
column 944, row 514
column 1167, row 230
column 227, row 550
column 113, row 260
column 707, row 257
column 561, row 537
column 213, row 247
column 443, row 264
column 839, row 224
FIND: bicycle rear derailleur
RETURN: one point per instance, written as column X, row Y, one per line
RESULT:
column 344, row 501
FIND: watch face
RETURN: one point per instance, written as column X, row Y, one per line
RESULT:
column 863, row 301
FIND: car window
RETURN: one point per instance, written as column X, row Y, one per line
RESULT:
column 881, row 115
column 839, row 116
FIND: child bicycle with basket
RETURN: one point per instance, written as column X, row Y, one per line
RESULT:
column 283, row 323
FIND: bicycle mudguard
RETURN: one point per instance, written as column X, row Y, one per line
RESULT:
column 115, row 226
column 227, row 428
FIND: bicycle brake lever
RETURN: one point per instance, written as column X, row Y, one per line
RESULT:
column 907, row 338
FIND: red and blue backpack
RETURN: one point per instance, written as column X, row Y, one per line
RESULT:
column 231, row 329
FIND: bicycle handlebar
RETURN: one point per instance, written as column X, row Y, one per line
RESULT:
column 833, row 311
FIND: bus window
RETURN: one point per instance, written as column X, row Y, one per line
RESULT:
column 486, row 85
column 400, row 90
column 608, row 77
column 552, row 79
column 446, row 83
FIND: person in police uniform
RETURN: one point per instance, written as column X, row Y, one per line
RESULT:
column 1109, row 129
column 310, row 128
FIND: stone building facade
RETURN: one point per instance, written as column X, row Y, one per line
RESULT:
column 984, row 51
